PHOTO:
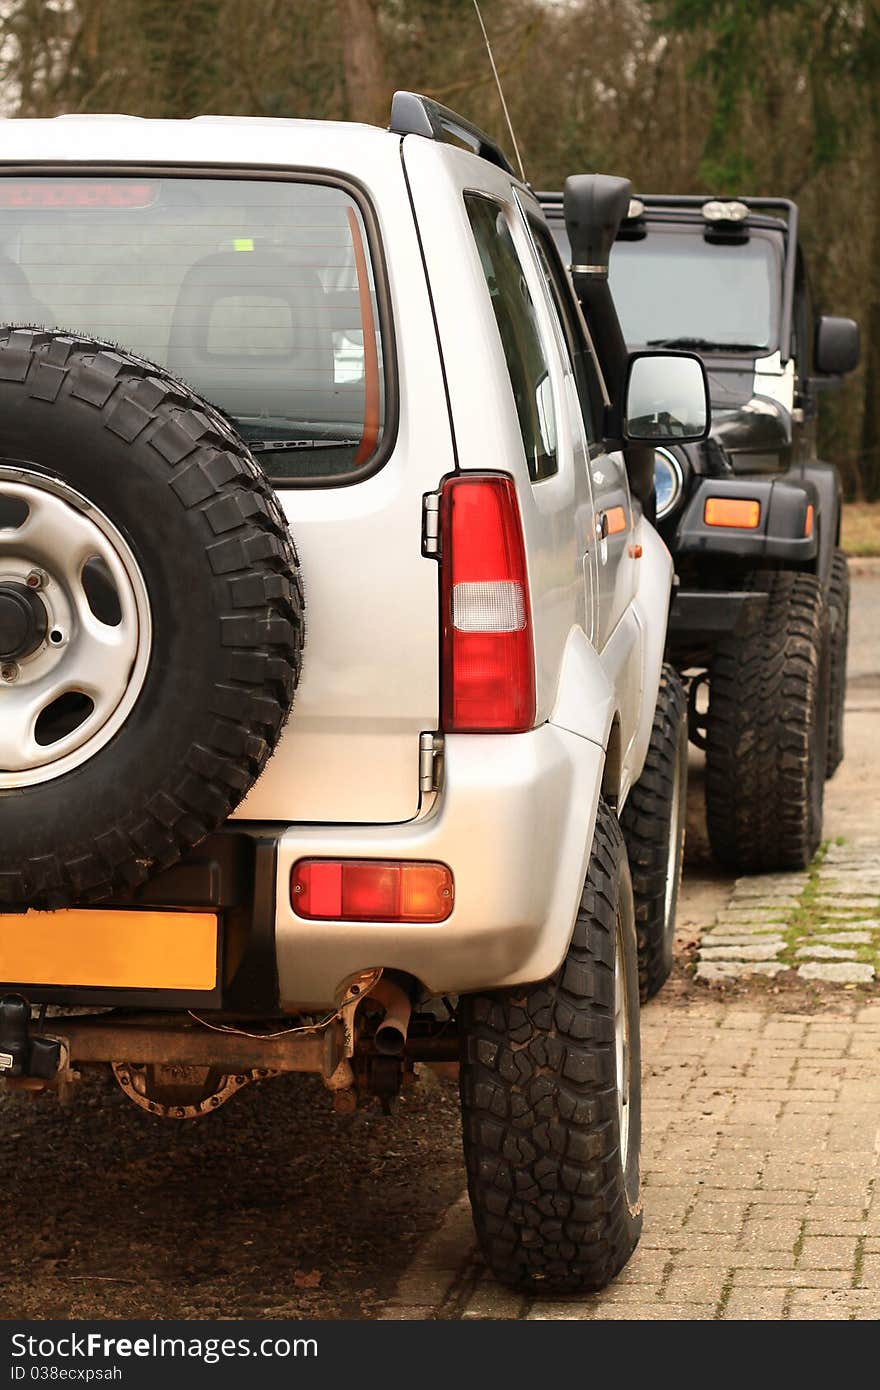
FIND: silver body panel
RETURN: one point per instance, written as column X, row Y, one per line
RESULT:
column 514, row 815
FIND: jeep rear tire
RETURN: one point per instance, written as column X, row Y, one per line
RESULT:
column 838, row 613
column 653, row 825
column 767, row 734
column 551, row 1099
column 150, row 619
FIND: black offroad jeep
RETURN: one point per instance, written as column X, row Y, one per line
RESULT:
column 752, row 516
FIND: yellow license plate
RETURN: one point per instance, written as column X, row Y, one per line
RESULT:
column 110, row 950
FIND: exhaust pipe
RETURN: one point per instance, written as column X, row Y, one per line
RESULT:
column 391, row 993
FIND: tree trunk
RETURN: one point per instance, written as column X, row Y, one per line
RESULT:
column 367, row 98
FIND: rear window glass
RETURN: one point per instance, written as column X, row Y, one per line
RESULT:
column 260, row 294
column 517, row 323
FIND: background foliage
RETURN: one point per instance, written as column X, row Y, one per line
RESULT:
column 717, row 96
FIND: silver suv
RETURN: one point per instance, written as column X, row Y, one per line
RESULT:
column 216, row 328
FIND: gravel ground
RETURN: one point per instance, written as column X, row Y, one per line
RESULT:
column 274, row 1207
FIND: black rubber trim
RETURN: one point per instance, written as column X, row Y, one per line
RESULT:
column 217, row 874
column 253, row 987
column 414, row 114
column 235, row 872
column 271, row 173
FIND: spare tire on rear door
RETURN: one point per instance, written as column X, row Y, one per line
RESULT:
column 150, row 619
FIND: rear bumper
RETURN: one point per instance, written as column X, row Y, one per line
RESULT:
column 514, row 822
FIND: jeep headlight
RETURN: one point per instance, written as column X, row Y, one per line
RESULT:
column 668, row 481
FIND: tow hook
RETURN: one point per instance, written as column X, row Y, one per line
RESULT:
column 24, row 1052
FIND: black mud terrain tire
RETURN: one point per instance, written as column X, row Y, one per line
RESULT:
column 838, row 613
column 555, row 1207
column 767, row 737
column 221, row 575
column 653, row 825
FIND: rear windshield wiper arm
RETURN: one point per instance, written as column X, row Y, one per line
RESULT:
column 706, row 345
column 265, row 446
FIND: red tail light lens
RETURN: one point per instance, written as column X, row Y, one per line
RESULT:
column 488, row 660
column 371, row 890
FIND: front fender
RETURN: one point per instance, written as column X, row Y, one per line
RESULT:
column 652, row 610
column 825, row 478
column 784, row 531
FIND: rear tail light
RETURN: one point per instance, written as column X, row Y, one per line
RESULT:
column 371, row 890
column 488, row 660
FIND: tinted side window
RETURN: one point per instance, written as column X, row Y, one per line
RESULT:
column 588, row 387
column 518, row 328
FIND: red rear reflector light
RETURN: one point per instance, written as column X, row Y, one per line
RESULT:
column 488, row 661
column 46, row 194
column 371, row 890
column 732, row 511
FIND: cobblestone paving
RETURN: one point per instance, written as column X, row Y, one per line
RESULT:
column 823, row 924
column 761, row 1163
column 761, row 1124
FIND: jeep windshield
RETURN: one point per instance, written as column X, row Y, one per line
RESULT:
column 673, row 288
column 260, row 294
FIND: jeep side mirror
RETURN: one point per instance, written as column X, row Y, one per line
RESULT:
column 837, row 346
column 666, row 397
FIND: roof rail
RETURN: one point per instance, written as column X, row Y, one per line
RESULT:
column 412, row 114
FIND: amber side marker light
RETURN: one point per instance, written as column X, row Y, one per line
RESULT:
column 616, row 521
column 371, row 890
column 732, row 511
column 808, row 521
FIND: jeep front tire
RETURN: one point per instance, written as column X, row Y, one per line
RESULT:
column 767, row 735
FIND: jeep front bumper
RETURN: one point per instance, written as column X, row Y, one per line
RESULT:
column 698, row 615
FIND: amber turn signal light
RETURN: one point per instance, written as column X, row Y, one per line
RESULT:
column 732, row 511
column 616, row 521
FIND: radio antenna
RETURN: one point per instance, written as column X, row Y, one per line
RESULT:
column 522, row 171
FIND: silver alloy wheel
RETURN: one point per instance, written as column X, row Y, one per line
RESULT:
column 675, row 847
column 621, row 1041
column 73, row 686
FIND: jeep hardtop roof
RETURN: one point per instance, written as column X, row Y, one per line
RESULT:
column 685, row 210
column 688, row 208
